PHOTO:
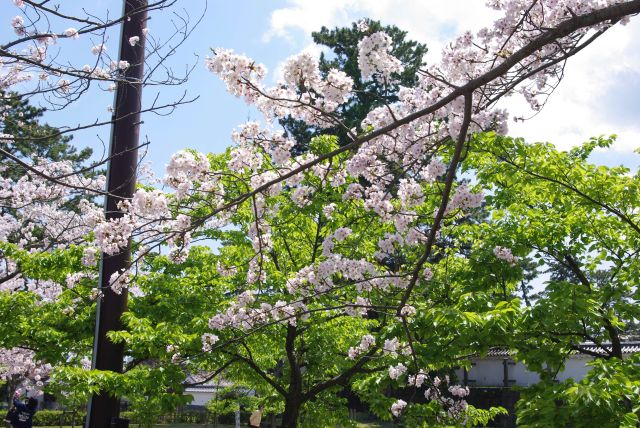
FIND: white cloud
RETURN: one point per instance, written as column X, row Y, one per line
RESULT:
column 307, row 16
column 573, row 113
column 432, row 21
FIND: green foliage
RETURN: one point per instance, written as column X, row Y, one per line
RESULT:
column 227, row 400
column 482, row 417
column 557, row 208
column 144, row 388
column 552, row 209
column 131, row 416
column 579, row 221
column 57, row 418
column 328, row 407
column 608, row 396
column 54, row 328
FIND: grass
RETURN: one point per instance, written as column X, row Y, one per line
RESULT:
column 360, row 425
column 195, row 426
column 375, row 425
column 156, row 426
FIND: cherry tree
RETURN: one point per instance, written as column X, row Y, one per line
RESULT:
column 20, row 369
column 43, row 64
column 33, row 66
column 397, row 173
column 38, row 64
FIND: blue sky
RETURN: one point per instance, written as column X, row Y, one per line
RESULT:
column 205, row 124
column 599, row 95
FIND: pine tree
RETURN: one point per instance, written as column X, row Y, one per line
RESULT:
column 343, row 44
column 31, row 139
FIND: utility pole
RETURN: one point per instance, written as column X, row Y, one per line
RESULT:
column 103, row 408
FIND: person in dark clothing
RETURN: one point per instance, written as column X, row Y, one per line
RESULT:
column 11, row 414
column 23, row 417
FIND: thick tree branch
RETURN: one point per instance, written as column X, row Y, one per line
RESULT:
column 259, row 372
column 341, row 378
column 451, row 173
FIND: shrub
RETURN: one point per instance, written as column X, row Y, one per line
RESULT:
column 56, row 418
column 131, row 416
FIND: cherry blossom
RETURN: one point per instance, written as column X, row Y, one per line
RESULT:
column 98, row 49
column 72, row 33
column 374, row 58
column 505, row 254
column 20, row 369
column 18, row 25
column 208, row 340
column 396, row 165
column 398, row 407
column 397, row 371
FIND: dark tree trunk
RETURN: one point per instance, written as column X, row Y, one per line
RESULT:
column 291, row 412
column 293, row 400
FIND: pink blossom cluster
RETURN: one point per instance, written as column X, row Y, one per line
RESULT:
column 410, row 193
column 433, row 170
column 119, row 281
column 374, row 58
column 208, row 340
column 454, row 405
column 301, row 87
column 37, row 218
column 239, row 72
column 149, row 204
column 398, row 407
column 338, row 235
column 505, row 254
column 366, row 343
column 17, row 22
column 73, row 279
column 302, row 71
column 408, row 311
column 318, row 278
column 396, row 371
column 19, row 366
column 386, row 245
column 240, row 314
column 359, row 308
column 418, row 379
column 250, row 139
column 393, row 346
column 185, row 170
column 113, row 235
column 464, row 199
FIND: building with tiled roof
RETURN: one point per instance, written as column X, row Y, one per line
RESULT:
column 498, row 368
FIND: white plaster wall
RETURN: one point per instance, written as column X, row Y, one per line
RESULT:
column 200, row 398
column 486, row 373
column 522, row 376
column 575, row 368
column 490, row 372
